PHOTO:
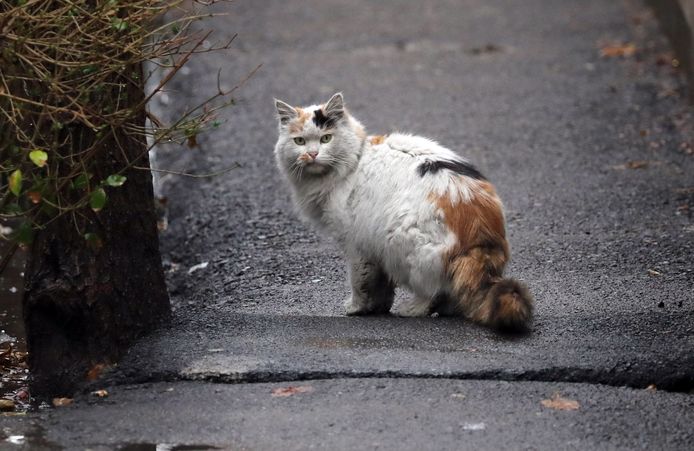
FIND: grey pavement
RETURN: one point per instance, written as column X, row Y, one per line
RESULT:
column 592, row 157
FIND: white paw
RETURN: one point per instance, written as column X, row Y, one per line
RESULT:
column 414, row 308
column 355, row 308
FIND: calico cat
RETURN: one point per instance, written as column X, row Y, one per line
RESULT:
column 407, row 212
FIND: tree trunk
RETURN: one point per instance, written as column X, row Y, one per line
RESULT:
column 84, row 305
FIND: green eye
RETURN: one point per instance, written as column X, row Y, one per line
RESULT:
column 326, row 138
column 299, row 141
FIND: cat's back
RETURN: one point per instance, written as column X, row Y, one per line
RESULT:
column 402, row 158
column 417, row 147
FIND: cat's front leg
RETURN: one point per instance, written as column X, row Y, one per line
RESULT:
column 372, row 289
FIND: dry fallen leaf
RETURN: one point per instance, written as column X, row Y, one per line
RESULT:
column 100, row 393
column 653, row 272
column 61, row 402
column 283, row 392
column 6, row 405
column 557, row 402
column 35, row 196
column 613, row 50
column 651, row 387
column 637, row 164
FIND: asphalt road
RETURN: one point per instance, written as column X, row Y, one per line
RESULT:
column 592, row 157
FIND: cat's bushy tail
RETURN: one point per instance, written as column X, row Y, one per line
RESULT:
column 487, row 298
column 506, row 305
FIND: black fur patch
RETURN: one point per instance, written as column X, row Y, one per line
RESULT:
column 459, row 167
column 323, row 121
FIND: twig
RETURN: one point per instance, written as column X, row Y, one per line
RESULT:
column 8, row 256
column 187, row 174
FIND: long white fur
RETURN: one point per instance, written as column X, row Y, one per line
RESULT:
column 374, row 202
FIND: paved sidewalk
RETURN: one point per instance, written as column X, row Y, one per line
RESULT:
column 592, row 157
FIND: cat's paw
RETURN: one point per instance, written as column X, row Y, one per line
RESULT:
column 364, row 307
column 414, row 308
column 353, row 308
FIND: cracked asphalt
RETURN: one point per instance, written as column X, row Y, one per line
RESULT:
column 592, row 156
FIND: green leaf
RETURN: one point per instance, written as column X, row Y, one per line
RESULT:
column 16, row 182
column 38, row 157
column 115, row 180
column 97, row 200
column 13, row 209
column 89, row 69
column 119, row 24
column 24, row 233
column 80, row 181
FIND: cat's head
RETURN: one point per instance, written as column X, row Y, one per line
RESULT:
column 318, row 140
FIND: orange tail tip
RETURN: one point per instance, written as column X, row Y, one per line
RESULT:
column 510, row 306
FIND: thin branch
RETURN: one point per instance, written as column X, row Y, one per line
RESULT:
column 187, row 174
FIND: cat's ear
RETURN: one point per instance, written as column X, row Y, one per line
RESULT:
column 335, row 106
column 285, row 112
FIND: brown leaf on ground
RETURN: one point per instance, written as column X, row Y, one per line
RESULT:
column 613, row 50
column 100, row 393
column 61, row 402
column 637, row 164
column 651, row 387
column 6, row 405
column 557, row 402
column 283, row 392
column 653, row 272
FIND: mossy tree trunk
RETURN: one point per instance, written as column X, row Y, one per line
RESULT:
column 86, row 301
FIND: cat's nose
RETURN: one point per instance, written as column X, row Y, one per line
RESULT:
column 313, row 155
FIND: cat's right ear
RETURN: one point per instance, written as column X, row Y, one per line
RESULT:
column 285, row 112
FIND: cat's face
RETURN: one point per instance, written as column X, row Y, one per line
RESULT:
column 317, row 140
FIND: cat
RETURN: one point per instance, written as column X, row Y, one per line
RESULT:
column 407, row 212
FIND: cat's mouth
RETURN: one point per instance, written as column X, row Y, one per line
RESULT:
column 315, row 168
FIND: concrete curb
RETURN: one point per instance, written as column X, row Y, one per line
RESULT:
column 676, row 19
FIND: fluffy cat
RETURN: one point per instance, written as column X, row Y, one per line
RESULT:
column 407, row 212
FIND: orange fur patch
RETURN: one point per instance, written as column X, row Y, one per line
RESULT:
column 511, row 306
column 477, row 222
column 481, row 251
column 378, row 139
column 297, row 125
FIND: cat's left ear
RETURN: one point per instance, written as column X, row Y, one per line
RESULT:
column 335, row 106
column 285, row 112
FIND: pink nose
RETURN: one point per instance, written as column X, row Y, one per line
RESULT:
column 313, row 155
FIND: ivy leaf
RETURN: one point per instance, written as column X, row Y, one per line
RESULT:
column 38, row 157
column 12, row 209
column 80, row 181
column 16, row 182
column 24, row 234
column 119, row 24
column 115, row 180
column 97, row 200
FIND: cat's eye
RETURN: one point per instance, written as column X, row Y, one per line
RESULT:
column 299, row 141
column 326, row 138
